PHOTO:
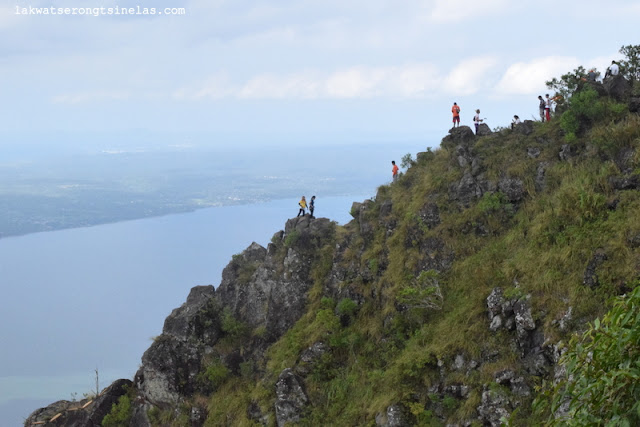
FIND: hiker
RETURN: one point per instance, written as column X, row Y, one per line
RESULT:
column 456, row 114
column 547, row 107
column 592, row 76
column 515, row 121
column 303, row 207
column 312, row 206
column 477, row 120
column 541, row 105
column 613, row 69
column 394, row 170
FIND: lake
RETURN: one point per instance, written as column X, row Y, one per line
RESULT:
column 82, row 299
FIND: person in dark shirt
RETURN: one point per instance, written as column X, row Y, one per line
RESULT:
column 312, row 206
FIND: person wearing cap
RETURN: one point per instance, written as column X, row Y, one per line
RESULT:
column 456, row 114
column 613, row 69
column 477, row 120
column 515, row 121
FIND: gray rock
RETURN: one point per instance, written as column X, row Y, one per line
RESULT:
column 84, row 413
column 181, row 324
column 494, row 302
column 396, row 416
column 494, row 405
column 466, row 190
column 505, row 376
column 524, row 128
column 524, row 319
column 566, row 152
column 634, row 104
column 484, row 130
column 459, row 135
column 310, row 357
column 590, row 276
column 291, row 398
column 617, row 87
column 513, row 188
column 496, row 323
column 430, row 215
column 541, row 171
column 533, row 152
column 629, row 182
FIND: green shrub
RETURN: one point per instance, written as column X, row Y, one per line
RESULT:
column 292, row 238
column 215, row 374
column 602, row 386
column 120, row 414
column 346, row 307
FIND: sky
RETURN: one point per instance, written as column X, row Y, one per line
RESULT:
column 282, row 71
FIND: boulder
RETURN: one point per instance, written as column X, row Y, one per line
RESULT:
column 484, row 130
column 524, row 128
column 513, row 188
column 457, row 136
column 395, row 416
column 430, row 215
column 590, row 277
column 291, row 398
column 634, row 104
column 617, row 87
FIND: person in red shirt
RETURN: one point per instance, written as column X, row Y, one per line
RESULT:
column 456, row 114
column 394, row 170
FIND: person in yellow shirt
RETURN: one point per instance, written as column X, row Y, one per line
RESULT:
column 303, row 206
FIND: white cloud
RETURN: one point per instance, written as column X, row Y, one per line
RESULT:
column 460, row 10
column 468, row 76
column 527, row 78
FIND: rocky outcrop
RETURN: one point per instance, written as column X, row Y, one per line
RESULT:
column 617, row 87
column 291, row 398
column 590, row 273
column 85, row 413
column 524, row 128
column 484, row 130
column 395, row 416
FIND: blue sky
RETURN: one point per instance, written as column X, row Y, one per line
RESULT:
column 284, row 70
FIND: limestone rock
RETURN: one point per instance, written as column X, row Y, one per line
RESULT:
column 85, row 413
column 291, row 398
column 484, row 130
column 590, row 276
column 617, row 87
column 495, row 404
column 524, row 128
column 396, row 416
column 513, row 188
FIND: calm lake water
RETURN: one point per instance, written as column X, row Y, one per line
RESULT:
column 86, row 298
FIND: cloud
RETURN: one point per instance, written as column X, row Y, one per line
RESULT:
column 445, row 11
column 527, row 78
column 468, row 76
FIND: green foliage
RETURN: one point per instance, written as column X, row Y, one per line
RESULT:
column 407, row 161
column 630, row 66
column 423, row 292
column 586, row 108
column 602, row 386
column 328, row 320
column 231, row 326
column 120, row 413
column 568, row 83
column 346, row 307
column 215, row 374
column 492, row 202
column 291, row 238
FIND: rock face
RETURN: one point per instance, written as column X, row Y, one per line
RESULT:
column 617, row 87
column 291, row 398
column 484, row 130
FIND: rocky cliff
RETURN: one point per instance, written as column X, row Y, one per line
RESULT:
column 444, row 302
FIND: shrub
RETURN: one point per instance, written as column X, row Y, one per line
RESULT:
column 120, row 414
column 602, row 386
column 346, row 307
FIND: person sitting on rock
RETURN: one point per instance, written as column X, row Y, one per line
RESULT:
column 592, row 75
column 613, row 69
column 515, row 121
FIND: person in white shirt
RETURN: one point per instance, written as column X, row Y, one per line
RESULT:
column 515, row 121
column 477, row 120
column 613, row 69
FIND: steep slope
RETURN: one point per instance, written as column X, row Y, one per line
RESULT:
column 445, row 301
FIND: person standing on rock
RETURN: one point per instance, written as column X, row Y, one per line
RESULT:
column 456, row 114
column 394, row 170
column 542, row 105
column 312, row 206
column 303, row 206
column 547, row 107
column 477, row 120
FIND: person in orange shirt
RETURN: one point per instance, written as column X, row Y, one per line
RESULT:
column 456, row 114
column 394, row 170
